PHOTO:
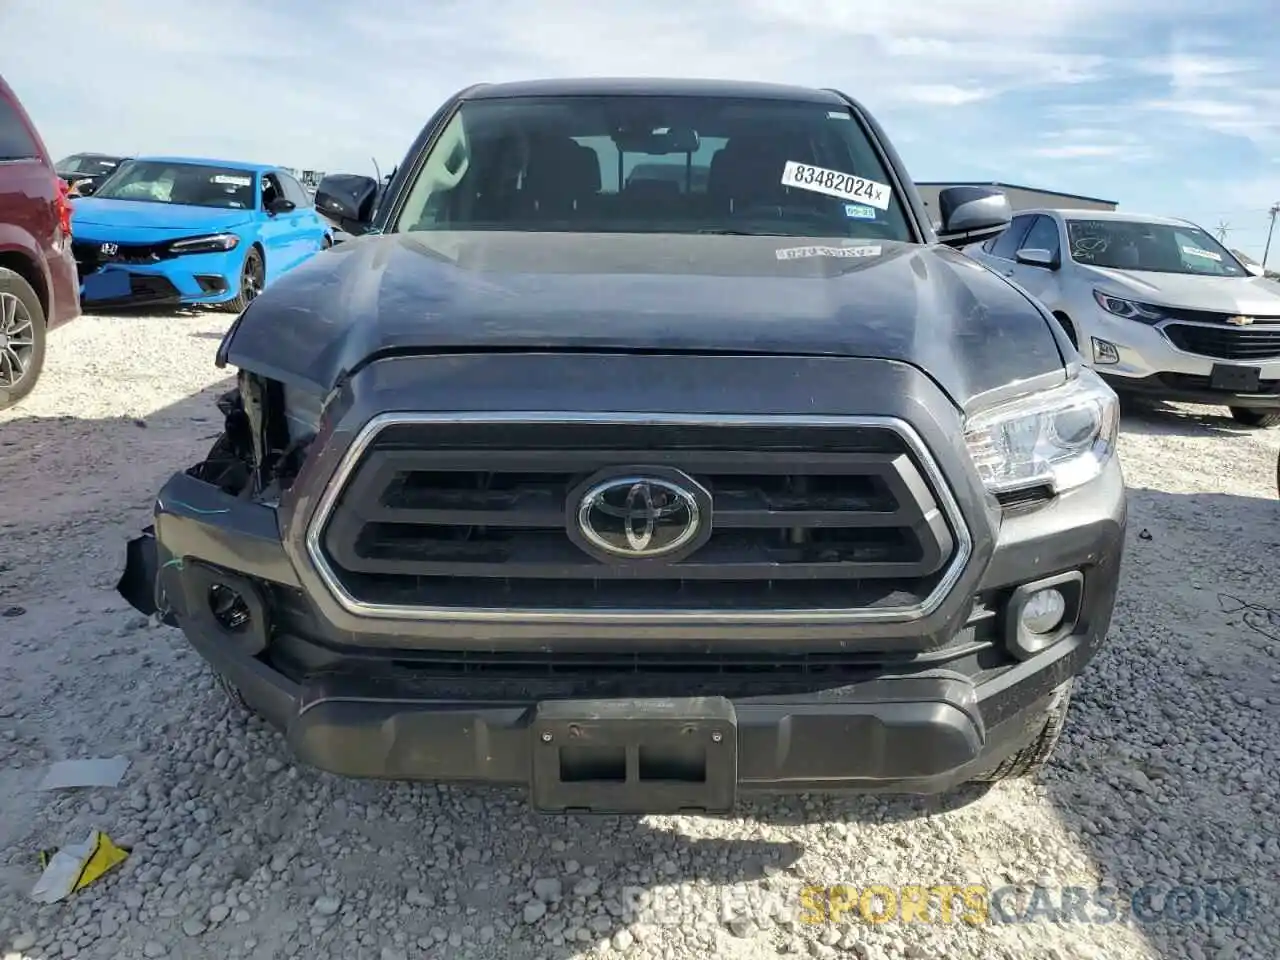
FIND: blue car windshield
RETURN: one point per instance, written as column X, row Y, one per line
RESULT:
column 655, row 164
column 187, row 184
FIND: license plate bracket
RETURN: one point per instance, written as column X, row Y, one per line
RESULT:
column 643, row 756
column 1235, row 379
column 106, row 285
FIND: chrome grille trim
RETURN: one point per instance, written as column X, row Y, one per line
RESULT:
column 341, row 475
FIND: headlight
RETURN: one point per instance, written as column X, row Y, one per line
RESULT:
column 302, row 412
column 1062, row 437
column 215, row 243
column 1128, row 309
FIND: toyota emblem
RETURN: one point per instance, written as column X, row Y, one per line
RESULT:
column 639, row 517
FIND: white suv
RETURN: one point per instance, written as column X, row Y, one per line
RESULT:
column 1155, row 305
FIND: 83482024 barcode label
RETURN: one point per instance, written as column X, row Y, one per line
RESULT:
column 833, row 183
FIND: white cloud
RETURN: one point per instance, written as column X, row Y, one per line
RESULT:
column 1094, row 151
column 1233, row 95
column 942, row 94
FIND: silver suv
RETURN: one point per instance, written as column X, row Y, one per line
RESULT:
column 1155, row 305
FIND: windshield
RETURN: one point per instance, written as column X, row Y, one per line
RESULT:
column 1154, row 247
column 89, row 166
column 187, row 184
column 655, row 165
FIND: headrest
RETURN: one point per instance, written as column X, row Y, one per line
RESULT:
column 559, row 166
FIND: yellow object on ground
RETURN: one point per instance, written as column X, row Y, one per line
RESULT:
column 76, row 866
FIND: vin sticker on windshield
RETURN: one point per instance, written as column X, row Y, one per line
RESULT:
column 801, row 253
column 833, row 183
column 233, row 181
column 1197, row 252
column 859, row 211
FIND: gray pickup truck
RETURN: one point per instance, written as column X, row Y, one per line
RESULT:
column 648, row 447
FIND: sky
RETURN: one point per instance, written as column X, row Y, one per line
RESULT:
column 1166, row 106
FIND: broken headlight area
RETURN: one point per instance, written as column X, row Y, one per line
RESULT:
column 267, row 431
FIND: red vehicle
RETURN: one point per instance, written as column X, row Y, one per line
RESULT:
column 39, row 289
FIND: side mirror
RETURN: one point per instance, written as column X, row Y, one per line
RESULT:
column 1036, row 257
column 347, row 199
column 84, row 188
column 1255, row 269
column 281, row 205
column 971, row 214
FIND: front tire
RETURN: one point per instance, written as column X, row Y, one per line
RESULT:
column 22, row 338
column 1032, row 758
column 1249, row 417
column 253, row 277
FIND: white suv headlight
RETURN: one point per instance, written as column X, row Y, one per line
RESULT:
column 1061, row 437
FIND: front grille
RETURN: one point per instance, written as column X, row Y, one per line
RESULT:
column 1209, row 316
column 482, row 515
column 1226, row 342
column 89, row 256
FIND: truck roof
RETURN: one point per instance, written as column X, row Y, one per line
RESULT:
column 651, row 86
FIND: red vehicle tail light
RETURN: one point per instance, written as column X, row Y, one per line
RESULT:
column 64, row 207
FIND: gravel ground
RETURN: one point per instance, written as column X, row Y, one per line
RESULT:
column 1160, row 782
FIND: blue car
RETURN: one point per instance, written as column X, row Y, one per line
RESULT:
column 171, row 230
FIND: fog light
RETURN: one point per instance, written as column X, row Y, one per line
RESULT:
column 1043, row 611
column 1104, row 351
column 228, row 608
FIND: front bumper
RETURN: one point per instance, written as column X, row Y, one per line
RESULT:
column 367, row 706
column 923, row 733
column 196, row 278
column 1150, row 364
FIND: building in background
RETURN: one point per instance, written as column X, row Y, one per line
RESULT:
column 310, row 179
column 1020, row 198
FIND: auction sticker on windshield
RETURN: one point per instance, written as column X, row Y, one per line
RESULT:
column 836, row 184
column 803, row 253
column 232, row 181
column 1197, row 252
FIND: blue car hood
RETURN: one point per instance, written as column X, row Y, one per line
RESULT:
column 163, row 219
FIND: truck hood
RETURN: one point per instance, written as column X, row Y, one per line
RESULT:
column 446, row 292
column 1253, row 296
column 164, row 220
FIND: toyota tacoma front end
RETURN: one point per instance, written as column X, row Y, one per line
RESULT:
column 642, row 497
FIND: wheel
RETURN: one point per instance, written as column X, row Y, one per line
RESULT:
column 1036, row 754
column 253, row 277
column 22, row 332
column 1249, row 417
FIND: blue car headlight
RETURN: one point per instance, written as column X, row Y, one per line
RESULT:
column 214, row 243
